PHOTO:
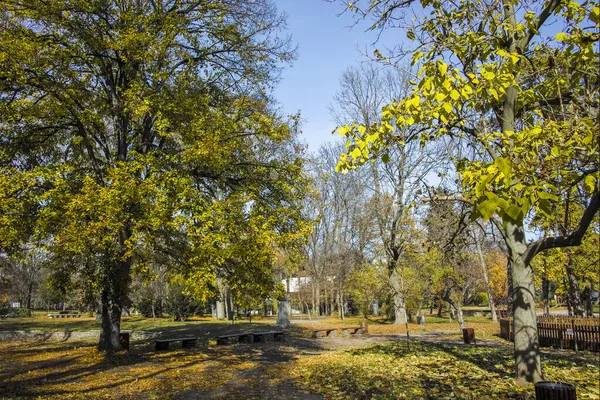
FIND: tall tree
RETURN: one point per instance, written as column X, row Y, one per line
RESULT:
column 525, row 97
column 136, row 128
column 362, row 93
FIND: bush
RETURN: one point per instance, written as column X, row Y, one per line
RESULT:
column 144, row 306
column 18, row 313
column 179, row 305
column 480, row 299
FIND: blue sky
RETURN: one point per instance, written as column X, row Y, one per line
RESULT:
column 327, row 45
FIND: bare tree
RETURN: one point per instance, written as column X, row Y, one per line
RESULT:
column 397, row 180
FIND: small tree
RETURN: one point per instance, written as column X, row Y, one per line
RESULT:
column 365, row 285
column 178, row 303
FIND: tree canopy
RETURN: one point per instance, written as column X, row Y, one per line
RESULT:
column 141, row 131
column 524, row 99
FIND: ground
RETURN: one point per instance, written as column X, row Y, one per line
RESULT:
column 433, row 364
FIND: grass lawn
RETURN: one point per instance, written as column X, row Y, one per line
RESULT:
column 436, row 371
column 379, row 366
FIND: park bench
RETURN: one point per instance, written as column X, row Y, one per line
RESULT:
column 317, row 333
column 64, row 315
column 250, row 337
column 163, row 344
column 353, row 330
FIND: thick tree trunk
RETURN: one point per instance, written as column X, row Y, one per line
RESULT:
column 395, row 282
column 228, row 303
column 113, row 295
column 528, row 367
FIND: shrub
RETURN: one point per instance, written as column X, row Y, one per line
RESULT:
column 178, row 304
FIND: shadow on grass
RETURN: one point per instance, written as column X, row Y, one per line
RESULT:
column 72, row 369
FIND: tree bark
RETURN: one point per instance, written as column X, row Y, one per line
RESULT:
column 29, row 294
column 528, row 367
column 113, row 295
column 545, row 294
column 573, row 287
column 395, row 282
column 317, row 300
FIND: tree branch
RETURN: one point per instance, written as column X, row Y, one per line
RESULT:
column 574, row 239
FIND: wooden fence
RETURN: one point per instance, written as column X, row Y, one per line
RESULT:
column 562, row 332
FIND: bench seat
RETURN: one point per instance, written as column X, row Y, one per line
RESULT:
column 353, row 330
column 250, row 337
column 317, row 333
column 163, row 344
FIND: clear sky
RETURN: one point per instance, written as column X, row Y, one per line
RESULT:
column 327, row 45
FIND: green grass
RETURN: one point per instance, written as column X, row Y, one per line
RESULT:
column 436, row 371
column 41, row 322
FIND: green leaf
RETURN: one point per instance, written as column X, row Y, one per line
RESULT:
column 487, row 208
column 590, row 183
column 547, row 196
column 514, row 211
column 545, row 207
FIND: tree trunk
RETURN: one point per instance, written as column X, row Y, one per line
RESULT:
column 545, row 294
column 228, row 304
column 29, row 295
column 456, row 307
column 528, row 367
column 113, row 295
column 486, row 279
column 573, row 287
column 395, row 282
column 317, row 300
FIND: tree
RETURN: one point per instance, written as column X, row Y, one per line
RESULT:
column 363, row 91
column 341, row 236
column 131, row 130
column 524, row 98
column 24, row 267
column 365, row 285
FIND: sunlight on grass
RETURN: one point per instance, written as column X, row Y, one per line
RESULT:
column 438, row 371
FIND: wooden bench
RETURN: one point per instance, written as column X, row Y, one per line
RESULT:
column 353, row 330
column 250, row 337
column 163, row 344
column 64, row 315
column 317, row 333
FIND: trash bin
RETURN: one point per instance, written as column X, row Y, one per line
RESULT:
column 554, row 391
column 468, row 335
column 124, row 340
